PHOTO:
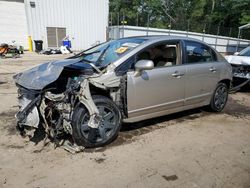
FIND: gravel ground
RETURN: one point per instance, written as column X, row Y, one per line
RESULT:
column 189, row 149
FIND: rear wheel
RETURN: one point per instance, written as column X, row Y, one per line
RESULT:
column 109, row 126
column 219, row 98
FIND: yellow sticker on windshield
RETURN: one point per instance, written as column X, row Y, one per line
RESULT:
column 121, row 50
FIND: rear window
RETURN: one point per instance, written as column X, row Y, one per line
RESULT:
column 198, row 53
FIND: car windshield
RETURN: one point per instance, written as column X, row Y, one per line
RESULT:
column 106, row 53
column 245, row 52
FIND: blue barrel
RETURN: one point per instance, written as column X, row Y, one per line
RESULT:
column 67, row 43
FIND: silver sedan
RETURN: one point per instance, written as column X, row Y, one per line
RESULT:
column 89, row 95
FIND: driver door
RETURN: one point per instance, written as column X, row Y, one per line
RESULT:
column 156, row 92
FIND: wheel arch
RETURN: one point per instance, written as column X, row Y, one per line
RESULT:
column 227, row 82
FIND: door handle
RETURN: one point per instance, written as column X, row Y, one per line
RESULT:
column 212, row 69
column 177, row 74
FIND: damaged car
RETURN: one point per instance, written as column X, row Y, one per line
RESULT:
column 89, row 96
column 240, row 62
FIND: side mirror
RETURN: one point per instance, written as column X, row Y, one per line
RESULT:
column 236, row 53
column 143, row 65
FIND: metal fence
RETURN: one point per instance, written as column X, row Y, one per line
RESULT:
column 188, row 25
column 220, row 43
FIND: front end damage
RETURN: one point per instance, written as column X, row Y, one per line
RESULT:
column 82, row 97
column 240, row 70
column 50, row 109
column 241, row 76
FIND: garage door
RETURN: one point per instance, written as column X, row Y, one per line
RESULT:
column 55, row 35
column 13, row 23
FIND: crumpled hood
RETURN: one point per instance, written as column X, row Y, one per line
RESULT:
column 39, row 77
column 238, row 60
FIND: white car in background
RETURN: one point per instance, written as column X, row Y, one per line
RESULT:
column 240, row 62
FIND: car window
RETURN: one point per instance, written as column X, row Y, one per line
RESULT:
column 106, row 53
column 163, row 55
column 198, row 53
column 245, row 52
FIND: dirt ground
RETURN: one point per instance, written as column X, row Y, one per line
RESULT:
column 189, row 149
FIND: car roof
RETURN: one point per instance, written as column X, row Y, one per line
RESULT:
column 162, row 37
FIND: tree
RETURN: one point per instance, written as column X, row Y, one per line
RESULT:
column 194, row 15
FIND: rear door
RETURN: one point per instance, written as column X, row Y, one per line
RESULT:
column 202, row 72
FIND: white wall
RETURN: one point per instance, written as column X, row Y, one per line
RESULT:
column 85, row 20
column 13, row 25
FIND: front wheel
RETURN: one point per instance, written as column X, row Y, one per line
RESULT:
column 108, row 129
column 219, row 98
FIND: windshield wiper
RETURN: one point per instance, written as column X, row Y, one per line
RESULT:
column 85, row 54
column 90, row 53
column 87, row 60
column 101, row 55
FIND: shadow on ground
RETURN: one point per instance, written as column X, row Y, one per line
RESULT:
column 130, row 132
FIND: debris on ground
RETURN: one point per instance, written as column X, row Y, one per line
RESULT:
column 61, row 50
column 72, row 148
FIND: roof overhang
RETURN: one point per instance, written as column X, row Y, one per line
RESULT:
column 247, row 26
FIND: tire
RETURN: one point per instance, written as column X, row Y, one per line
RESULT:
column 219, row 98
column 106, row 132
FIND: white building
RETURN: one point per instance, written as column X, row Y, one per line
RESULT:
column 13, row 23
column 85, row 22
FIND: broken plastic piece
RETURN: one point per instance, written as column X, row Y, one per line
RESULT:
column 72, row 148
